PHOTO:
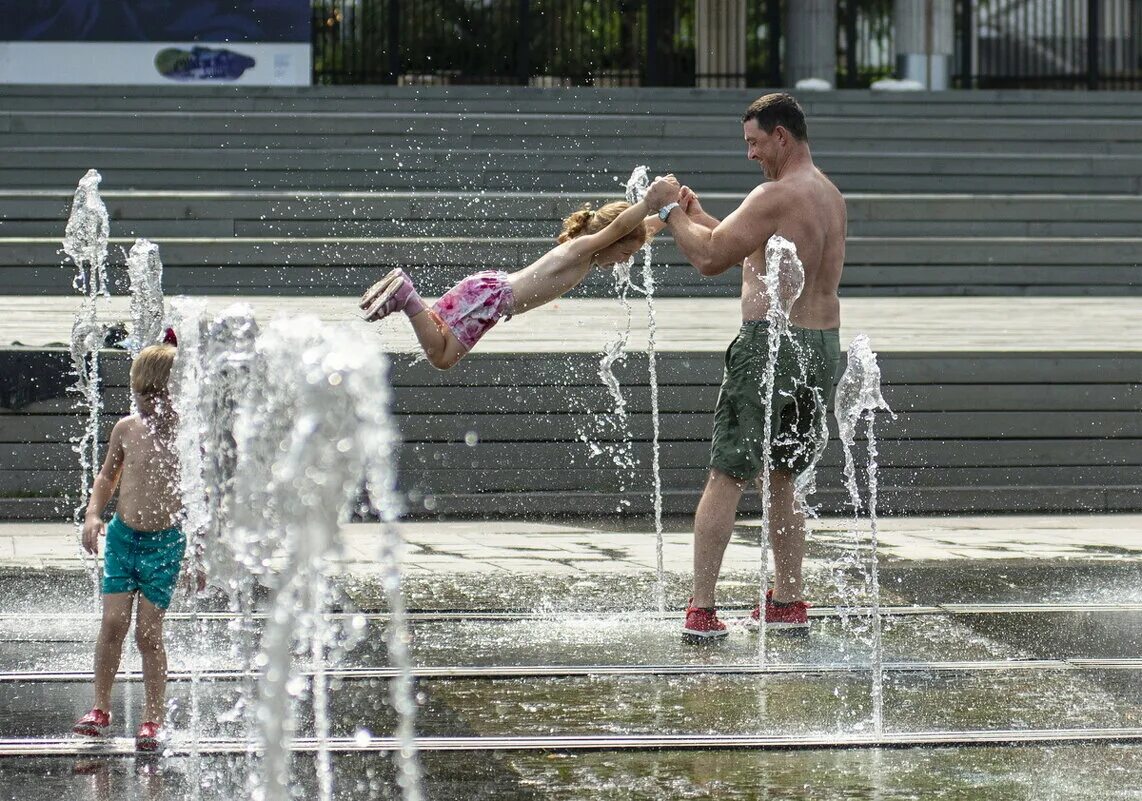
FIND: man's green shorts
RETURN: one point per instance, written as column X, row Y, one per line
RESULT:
column 147, row 561
column 804, row 379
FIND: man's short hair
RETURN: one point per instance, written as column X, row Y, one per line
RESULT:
column 776, row 109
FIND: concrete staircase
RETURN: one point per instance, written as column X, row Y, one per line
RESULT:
column 314, row 192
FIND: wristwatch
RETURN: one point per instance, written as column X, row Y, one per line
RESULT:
column 664, row 212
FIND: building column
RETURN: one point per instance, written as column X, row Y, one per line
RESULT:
column 925, row 41
column 720, row 44
column 811, row 41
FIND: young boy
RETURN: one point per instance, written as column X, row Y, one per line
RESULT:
column 144, row 544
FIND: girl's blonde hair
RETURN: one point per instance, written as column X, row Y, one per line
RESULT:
column 151, row 369
column 589, row 221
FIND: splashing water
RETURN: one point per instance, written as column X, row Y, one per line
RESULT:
column 212, row 371
column 286, row 426
column 85, row 237
column 261, row 425
column 305, row 442
column 145, row 271
column 230, row 369
column 383, row 440
column 637, row 184
column 615, row 352
column 636, row 190
column 784, row 279
column 186, row 384
column 784, row 282
column 85, row 242
column 858, row 394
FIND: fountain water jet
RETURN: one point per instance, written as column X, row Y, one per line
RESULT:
column 858, row 394
column 231, row 371
column 637, row 185
column 784, row 279
column 85, row 242
column 186, row 385
column 212, row 372
column 615, row 351
column 145, row 272
column 306, row 441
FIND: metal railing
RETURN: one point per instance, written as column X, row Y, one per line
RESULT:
column 1066, row 44
column 536, row 42
column 999, row 43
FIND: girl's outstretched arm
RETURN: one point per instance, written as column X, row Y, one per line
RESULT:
column 627, row 221
column 653, row 225
column 631, row 218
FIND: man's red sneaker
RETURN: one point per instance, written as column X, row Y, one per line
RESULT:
column 791, row 618
column 147, row 738
column 94, row 724
column 702, row 625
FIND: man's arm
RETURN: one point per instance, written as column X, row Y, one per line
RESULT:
column 747, row 228
column 688, row 199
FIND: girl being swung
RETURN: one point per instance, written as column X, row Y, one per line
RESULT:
column 454, row 324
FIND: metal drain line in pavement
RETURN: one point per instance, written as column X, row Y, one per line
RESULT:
column 440, row 616
column 122, row 746
column 491, row 672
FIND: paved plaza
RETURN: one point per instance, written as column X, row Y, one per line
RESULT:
column 685, row 324
column 532, row 642
column 570, row 548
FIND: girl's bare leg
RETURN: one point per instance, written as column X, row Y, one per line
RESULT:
column 109, row 645
column 149, row 637
column 440, row 344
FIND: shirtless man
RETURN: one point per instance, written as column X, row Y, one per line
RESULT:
column 802, row 205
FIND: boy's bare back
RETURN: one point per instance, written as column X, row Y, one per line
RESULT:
column 149, row 496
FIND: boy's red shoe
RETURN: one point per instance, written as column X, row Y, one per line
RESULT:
column 791, row 618
column 94, row 724
column 702, row 625
column 147, row 737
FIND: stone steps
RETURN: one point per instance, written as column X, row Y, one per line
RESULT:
column 1000, row 407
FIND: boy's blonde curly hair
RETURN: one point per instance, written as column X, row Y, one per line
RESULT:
column 151, row 369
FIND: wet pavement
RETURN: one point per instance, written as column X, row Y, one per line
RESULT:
column 523, row 629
